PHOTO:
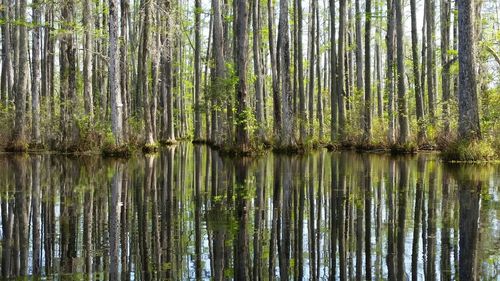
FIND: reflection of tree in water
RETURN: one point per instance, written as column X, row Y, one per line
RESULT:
column 188, row 213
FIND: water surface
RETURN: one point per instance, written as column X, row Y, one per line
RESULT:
column 188, row 214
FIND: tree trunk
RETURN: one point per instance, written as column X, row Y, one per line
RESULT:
column 5, row 87
column 468, row 111
column 402, row 102
column 319, row 101
column 333, row 72
column 368, row 86
column 287, row 139
column 416, row 74
column 259, row 99
column 114, row 77
column 431, row 59
column 359, row 50
column 218, row 89
column 274, row 71
column 21, row 86
column 197, row 70
column 312, row 49
column 88, row 22
column 390, row 68
column 241, row 33
column 341, row 69
column 143, row 72
column 35, row 82
column 445, row 72
column 300, row 73
column 124, row 68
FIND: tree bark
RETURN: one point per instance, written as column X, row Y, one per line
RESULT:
column 259, row 99
column 419, row 102
column 114, row 77
column 468, row 111
column 218, row 89
column 88, row 23
column 390, row 68
column 445, row 72
column 368, row 86
column 341, row 69
column 287, row 128
column 431, row 59
column 197, row 70
column 241, row 33
column 5, row 87
column 312, row 56
column 274, row 71
column 300, row 73
column 35, row 82
column 404, row 132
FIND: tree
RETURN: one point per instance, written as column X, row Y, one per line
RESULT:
column 300, row 73
column 274, row 71
column 197, row 70
column 220, row 70
column 341, row 69
column 445, row 72
column 18, row 141
column 419, row 102
column 404, row 130
column 241, row 33
column 287, row 138
column 5, row 83
column 259, row 85
column 368, row 86
column 389, row 88
column 431, row 59
column 35, row 82
column 312, row 49
column 468, row 111
column 333, row 75
column 87, row 58
column 114, row 77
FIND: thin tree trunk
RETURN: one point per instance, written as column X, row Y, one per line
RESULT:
column 368, row 86
column 197, row 70
column 402, row 102
column 5, row 87
column 87, row 58
column 274, row 71
column 35, row 82
column 359, row 50
column 390, row 68
column 319, row 101
column 241, row 33
column 445, row 72
column 259, row 99
column 114, row 73
column 300, row 73
column 220, row 71
column 416, row 74
column 333, row 73
column 341, row 69
column 312, row 57
column 124, row 67
column 431, row 60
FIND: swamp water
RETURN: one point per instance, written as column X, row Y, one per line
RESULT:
column 188, row 214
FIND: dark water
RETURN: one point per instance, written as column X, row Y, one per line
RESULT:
column 188, row 214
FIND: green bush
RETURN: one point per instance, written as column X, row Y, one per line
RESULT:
column 469, row 151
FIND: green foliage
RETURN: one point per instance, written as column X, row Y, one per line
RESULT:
column 469, row 151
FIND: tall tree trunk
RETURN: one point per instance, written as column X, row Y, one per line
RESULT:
column 218, row 89
column 287, row 128
column 431, row 58
column 368, row 86
column 378, row 64
column 5, row 87
column 404, row 130
column 390, row 68
column 300, row 73
column 445, row 72
column 197, row 70
column 333, row 73
column 359, row 50
column 114, row 77
column 319, row 101
column 124, row 67
column 18, row 142
column 142, row 83
column 312, row 55
column 274, row 71
column 35, row 82
column 468, row 111
column 87, row 58
column 241, row 33
column 341, row 69
column 259, row 99
column 167, row 87
column 419, row 102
